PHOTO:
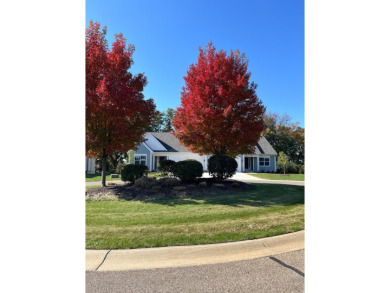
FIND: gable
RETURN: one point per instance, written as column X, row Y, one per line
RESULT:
column 169, row 141
column 264, row 147
column 153, row 143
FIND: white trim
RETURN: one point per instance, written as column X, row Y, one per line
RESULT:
column 275, row 163
column 147, row 147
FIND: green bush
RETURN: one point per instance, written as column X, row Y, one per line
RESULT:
column 187, row 170
column 146, row 182
column 292, row 168
column 166, row 166
column 222, row 166
column 132, row 172
column 168, row 182
column 302, row 169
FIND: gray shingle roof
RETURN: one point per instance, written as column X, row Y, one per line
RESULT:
column 169, row 141
column 172, row 144
column 264, row 147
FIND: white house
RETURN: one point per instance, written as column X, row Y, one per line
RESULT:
column 164, row 145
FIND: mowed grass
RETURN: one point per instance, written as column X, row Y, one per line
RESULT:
column 270, row 176
column 264, row 210
column 95, row 177
column 155, row 174
column 91, row 186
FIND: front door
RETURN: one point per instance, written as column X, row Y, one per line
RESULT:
column 248, row 163
column 158, row 159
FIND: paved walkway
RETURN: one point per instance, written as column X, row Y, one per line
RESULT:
column 238, row 176
column 193, row 255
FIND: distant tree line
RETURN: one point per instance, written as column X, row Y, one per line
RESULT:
column 162, row 121
column 285, row 136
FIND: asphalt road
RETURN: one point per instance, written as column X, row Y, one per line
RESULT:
column 279, row 273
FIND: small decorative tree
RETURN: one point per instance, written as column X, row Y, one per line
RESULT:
column 283, row 160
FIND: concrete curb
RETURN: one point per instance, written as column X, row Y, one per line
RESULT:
column 194, row 255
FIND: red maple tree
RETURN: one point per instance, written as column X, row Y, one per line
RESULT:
column 219, row 112
column 116, row 112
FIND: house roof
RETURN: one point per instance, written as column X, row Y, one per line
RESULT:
column 172, row 144
column 264, row 147
column 169, row 141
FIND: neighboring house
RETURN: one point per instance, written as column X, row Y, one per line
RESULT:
column 90, row 164
column 164, row 145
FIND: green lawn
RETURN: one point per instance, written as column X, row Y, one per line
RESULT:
column 95, row 177
column 264, row 210
column 92, row 186
column 155, row 174
column 271, row 176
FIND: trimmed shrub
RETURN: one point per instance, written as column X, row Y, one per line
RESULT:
column 132, row 172
column 235, row 185
column 166, row 166
column 302, row 169
column 191, row 186
column 179, row 188
column 202, row 184
column 187, row 170
column 157, row 187
column 168, row 182
column 145, row 182
column 222, row 166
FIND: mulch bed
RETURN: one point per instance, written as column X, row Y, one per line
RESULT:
column 130, row 192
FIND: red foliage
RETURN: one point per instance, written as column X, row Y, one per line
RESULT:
column 116, row 112
column 219, row 112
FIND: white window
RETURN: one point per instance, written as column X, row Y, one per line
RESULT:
column 140, row 160
column 264, row 161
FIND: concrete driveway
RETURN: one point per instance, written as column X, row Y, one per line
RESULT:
column 244, row 177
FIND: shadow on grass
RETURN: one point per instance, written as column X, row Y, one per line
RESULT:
column 254, row 195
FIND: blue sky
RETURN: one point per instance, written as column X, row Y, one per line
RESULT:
column 167, row 35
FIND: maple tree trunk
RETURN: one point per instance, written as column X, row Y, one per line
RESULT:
column 104, row 164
